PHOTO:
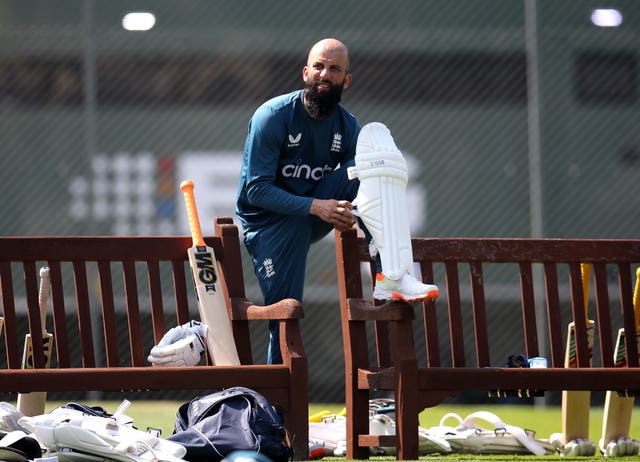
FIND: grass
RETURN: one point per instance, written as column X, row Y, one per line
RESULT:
column 543, row 420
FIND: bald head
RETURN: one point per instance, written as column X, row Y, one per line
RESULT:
column 330, row 48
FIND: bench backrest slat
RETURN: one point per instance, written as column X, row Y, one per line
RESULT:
column 32, row 288
column 180, row 291
column 133, row 314
column 61, row 338
column 579, row 316
column 456, row 329
column 10, row 337
column 430, row 323
column 155, row 296
column 603, row 313
column 479, row 314
column 108, row 313
column 528, row 310
column 85, row 325
column 552, row 295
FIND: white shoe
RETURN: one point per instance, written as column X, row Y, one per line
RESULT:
column 407, row 288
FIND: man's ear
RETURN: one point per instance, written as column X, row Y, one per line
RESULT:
column 347, row 81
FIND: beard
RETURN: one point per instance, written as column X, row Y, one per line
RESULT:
column 322, row 104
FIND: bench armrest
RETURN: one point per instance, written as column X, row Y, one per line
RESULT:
column 360, row 309
column 244, row 309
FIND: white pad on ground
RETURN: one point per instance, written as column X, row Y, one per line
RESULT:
column 468, row 437
column 78, row 437
column 381, row 199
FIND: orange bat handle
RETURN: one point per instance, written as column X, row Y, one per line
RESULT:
column 194, row 222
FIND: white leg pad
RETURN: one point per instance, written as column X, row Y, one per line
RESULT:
column 381, row 199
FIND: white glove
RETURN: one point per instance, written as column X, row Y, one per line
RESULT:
column 180, row 346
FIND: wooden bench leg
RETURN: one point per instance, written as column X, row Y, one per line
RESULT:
column 357, row 404
column 298, row 422
column 406, row 378
column 298, row 417
column 407, row 419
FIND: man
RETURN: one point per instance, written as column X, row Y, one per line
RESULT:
column 294, row 188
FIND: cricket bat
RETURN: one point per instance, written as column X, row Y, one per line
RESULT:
column 211, row 303
column 31, row 404
column 618, row 409
column 576, row 404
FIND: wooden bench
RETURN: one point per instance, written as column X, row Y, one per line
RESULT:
column 94, row 278
column 380, row 341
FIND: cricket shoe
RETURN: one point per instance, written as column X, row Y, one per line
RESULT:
column 407, row 288
column 316, row 449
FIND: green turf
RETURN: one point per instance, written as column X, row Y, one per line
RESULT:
column 543, row 420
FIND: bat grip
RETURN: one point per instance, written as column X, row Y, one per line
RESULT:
column 192, row 212
column 585, row 273
column 636, row 300
column 636, row 292
column 43, row 296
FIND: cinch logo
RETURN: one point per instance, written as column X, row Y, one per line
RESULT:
column 305, row 171
column 206, row 271
column 294, row 141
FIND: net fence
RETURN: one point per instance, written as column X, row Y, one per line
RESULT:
column 517, row 119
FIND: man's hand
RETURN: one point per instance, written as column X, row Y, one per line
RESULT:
column 336, row 212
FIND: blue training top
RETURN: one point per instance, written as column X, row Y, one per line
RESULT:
column 286, row 154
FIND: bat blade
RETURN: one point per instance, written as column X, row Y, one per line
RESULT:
column 211, row 302
column 576, row 404
column 31, row 404
column 212, row 307
column 616, row 421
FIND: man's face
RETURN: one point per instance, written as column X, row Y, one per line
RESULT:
column 325, row 77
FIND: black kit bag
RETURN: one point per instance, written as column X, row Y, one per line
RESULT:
column 234, row 419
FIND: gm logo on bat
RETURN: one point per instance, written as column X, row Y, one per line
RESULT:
column 206, row 270
column 46, row 349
